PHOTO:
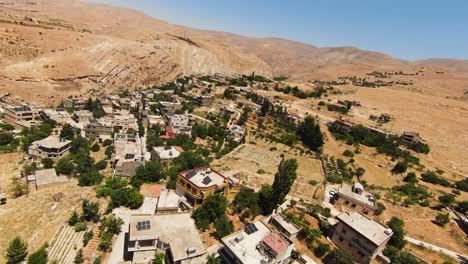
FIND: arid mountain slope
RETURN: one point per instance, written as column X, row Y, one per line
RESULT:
column 52, row 48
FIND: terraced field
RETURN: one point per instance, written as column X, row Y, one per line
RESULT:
column 65, row 244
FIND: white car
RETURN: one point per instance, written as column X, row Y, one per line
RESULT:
column 332, row 192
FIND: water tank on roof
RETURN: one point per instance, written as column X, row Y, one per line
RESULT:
column 191, row 250
column 388, row 231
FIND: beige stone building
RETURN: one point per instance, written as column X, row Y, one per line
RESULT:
column 360, row 236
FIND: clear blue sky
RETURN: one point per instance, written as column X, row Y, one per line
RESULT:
column 407, row 29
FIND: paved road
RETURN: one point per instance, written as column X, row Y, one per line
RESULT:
column 455, row 255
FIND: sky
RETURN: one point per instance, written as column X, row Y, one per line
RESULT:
column 406, row 29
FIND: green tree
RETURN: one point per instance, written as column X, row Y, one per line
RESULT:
column 17, row 251
column 150, row 172
column 411, row 178
column 48, row 163
column 380, row 208
column 95, row 147
column 311, row 136
column 79, row 257
column 107, row 142
column 223, row 227
column 265, row 107
column 247, row 199
column 90, row 178
column 404, row 258
column 158, row 258
column 398, row 239
column 213, row 260
column 40, row 256
column 447, row 199
column 135, row 199
column 67, row 132
column 264, row 199
column 400, row 167
column 74, row 218
column 100, row 165
column 360, row 171
column 321, row 249
column 6, row 139
column 283, row 182
column 213, row 208
column 442, row 219
column 338, row 256
column 18, row 187
column 90, row 211
column 65, row 166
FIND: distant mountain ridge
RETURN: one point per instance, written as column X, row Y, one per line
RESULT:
column 52, row 46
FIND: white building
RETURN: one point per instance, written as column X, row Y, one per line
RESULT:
column 256, row 243
column 50, row 147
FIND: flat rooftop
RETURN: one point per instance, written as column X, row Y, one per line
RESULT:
column 48, row 176
column 179, row 231
column 52, row 142
column 282, row 221
column 168, row 199
column 347, row 191
column 168, row 152
column 368, row 228
column 142, row 227
column 244, row 244
column 203, row 177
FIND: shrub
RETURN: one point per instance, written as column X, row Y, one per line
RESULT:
column 100, row 165
column 95, row 147
column 348, row 153
column 321, row 249
column 48, row 163
column 398, row 238
column 105, row 241
column 87, row 237
column 432, row 177
column 380, row 208
column 442, row 219
column 447, row 199
column 90, row 178
column 411, row 178
column 223, row 227
column 40, row 256
column 462, row 185
column 74, row 218
column 107, row 142
column 80, row 226
column 400, row 167
column 313, row 182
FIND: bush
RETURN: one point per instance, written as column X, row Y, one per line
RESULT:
column 100, row 165
column 95, row 147
column 400, row 167
column 398, row 238
column 411, row 178
column 17, row 251
column 404, row 258
column 74, row 218
column 65, row 166
column 80, row 226
column 105, row 241
column 447, row 199
column 87, row 237
column 321, row 249
column 48, row 163
column 338, row 256
column 462, row 185
column 313, row 182
column 40, row 256
column 348, row 153
column 442, row 219
column 380, row 208
column 90, row 178
column 432, row 177
column 107, row 142
column 223, row 227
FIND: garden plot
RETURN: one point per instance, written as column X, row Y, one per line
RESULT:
column 256, row 164
column 65, row 245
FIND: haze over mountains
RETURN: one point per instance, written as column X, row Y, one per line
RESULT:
column 51, row 48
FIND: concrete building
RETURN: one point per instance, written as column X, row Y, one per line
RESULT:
column 237, row 133
column 342, row 125
column 179, row 124
column 153, row 120
column 124, row 120
column 74, row 103
column 256, row 243
column 97, row 130
column 166, row 153
column 22, row 116
column 50, row 147
column 360, row 236
column 128, row 155
column 46, row 178
column 410, row 137
column 205, row 100
column 283, row 225
column 82, row 116
column 198, row 184
column 353, row 198
column 174, row 234
column 59, row 115
column 169, row 107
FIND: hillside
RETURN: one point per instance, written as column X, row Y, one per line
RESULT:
column 53, row 48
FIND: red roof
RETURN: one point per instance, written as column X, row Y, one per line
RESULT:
column 276, row 243
column 151, row 190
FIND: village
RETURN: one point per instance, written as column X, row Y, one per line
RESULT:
column 217, row 169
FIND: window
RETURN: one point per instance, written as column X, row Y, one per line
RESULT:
column 341, row 239
column 353, row 205
column 347, row 202
column 343, row 230
column 350, row 245
column 361, row 254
